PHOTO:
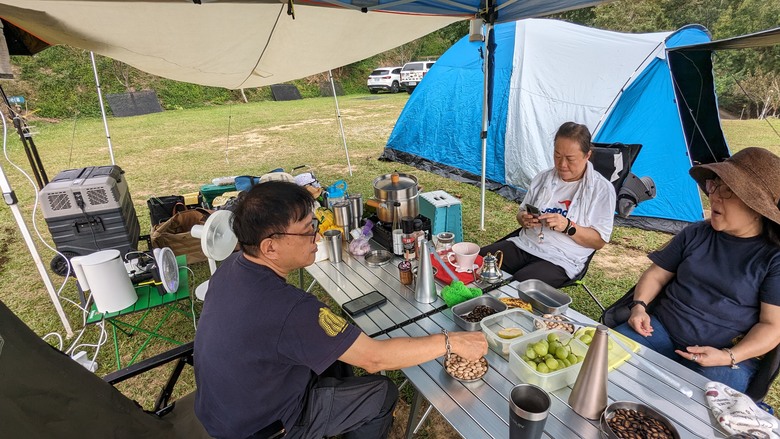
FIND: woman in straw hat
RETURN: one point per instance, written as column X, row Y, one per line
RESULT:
column 715, row 287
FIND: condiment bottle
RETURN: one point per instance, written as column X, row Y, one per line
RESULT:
column 408, row 238
column 397, row 233
column 405, row 272
column 419, row 236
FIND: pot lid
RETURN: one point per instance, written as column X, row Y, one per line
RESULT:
column 395, row 182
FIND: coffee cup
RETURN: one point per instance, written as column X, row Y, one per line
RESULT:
column 528, row 409
column 465, row 253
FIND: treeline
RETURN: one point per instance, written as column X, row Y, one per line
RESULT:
column 59, row 83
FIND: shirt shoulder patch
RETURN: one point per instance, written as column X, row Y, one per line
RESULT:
column 332, row 324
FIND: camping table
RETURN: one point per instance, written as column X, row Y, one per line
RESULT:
column 148, row 298
column 353, row 277
column 481, row 409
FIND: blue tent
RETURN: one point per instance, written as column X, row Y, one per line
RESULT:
column 547, row 72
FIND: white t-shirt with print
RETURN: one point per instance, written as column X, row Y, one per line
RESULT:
column 556, row 247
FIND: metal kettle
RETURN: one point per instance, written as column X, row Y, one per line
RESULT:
column 491, row 267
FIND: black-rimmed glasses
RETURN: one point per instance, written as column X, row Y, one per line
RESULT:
column 710, row 186
column 315, row 225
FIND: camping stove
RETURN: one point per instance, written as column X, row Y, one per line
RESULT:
column 383, row 232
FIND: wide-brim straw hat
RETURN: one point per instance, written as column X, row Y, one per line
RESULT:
column 753, row 174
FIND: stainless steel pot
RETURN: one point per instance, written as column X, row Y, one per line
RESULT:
column 390, row 188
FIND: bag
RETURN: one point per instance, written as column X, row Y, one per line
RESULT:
column 175, row 233
column 163, row 208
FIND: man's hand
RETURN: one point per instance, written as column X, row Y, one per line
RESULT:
column 640, row 321
column 470, row 345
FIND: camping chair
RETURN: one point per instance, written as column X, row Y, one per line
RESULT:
column 47, row 394
column 768, row 368
column 614, row 162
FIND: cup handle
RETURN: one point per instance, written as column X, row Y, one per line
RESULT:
column 454, row 264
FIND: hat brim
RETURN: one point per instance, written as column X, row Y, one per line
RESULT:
column 741, row 184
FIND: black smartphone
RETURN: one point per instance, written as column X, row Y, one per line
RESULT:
column 533, row 210
column 364, row 302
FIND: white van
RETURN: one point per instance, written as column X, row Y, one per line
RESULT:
column 412, row 73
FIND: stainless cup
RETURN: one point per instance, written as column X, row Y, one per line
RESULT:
column 355, row 210
column 333, row 245
column 528, row 409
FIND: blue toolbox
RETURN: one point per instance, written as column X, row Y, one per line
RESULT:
column 444, row 211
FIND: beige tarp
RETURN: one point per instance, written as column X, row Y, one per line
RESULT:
column 231, row 45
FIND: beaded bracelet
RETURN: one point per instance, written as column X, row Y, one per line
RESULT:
column 733, row 360
column 447, row 342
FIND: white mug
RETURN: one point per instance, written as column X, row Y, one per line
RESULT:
column 465, row 254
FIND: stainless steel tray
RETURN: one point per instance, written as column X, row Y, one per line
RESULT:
column 377, row 258
column 543, row 297
column 469, row 305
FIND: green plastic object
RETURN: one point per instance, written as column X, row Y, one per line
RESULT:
column 457, row 292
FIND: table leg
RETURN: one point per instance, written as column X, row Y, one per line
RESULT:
column 416, row 401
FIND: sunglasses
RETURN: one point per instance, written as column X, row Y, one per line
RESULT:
column 724, row 192
column 315, row 225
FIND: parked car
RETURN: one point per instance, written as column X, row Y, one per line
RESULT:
column 413, row 72
column 385, row 78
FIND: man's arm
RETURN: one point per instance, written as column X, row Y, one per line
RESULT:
column 398, row 353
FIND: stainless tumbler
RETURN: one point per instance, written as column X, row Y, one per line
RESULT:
column 333, row 245
column 528, row 409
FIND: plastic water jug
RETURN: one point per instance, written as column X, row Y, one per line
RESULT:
column 337, row 192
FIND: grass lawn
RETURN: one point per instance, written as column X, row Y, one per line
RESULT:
column 176, row 152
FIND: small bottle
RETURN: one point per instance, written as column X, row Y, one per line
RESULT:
column 408, row 238
column 405, row 272
column 419, row 236
column 397, row 232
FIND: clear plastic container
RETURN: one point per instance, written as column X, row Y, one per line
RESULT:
column 548, row 381
column 511, row 318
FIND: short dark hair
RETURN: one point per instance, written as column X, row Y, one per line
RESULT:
column 577, row 132
column 269, row 208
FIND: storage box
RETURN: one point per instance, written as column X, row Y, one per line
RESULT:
column 211, row 191
column 548, row 381
column 466, row 307
column 511, row 318
column 616, row 355
column 444, row 210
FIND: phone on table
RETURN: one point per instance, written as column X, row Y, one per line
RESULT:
column 532, row 210
column 364, row 302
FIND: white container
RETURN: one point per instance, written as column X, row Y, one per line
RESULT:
column 511, row 318
column 548, row 381
column 104, row 274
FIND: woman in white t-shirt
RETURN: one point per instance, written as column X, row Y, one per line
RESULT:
column 566, row 215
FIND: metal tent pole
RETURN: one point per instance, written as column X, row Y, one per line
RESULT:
column 485, row 122
column 338, row 116
column 102, row 108
column 10, row 199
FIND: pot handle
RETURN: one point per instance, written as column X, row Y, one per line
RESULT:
column 376, row 204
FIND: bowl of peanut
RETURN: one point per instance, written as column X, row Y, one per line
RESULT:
column 463, row 370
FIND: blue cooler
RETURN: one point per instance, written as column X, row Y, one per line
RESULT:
column 444, row 211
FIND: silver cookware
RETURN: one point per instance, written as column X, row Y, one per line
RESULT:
column 391, row 188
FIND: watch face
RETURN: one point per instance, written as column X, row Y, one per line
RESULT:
column 572, row 230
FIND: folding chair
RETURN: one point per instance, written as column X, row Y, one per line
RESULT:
column 47, row 394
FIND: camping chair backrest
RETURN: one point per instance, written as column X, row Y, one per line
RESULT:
column 614, row 161
column 768, row 369
column 47, row 394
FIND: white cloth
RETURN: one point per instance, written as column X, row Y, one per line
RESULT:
column 737, row 413
column 591, row 205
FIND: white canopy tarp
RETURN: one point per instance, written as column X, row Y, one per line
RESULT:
column 231, row 45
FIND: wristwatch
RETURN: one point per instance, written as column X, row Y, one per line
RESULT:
column 637, row 302
column 570, row 227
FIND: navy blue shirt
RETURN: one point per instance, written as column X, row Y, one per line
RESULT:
column 259, row 343
column 720, row 283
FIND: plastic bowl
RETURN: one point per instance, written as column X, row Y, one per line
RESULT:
column 610, row 411
column 551, row 381
column 511, row 318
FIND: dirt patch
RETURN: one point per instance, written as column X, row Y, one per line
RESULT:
column 620, row 259
column 434, row 427
column 289, row 126
column 7, row 235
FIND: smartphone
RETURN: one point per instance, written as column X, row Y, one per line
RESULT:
column 533, row 210
column 364, row 302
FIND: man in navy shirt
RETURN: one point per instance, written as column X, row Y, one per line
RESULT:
column 263, row 347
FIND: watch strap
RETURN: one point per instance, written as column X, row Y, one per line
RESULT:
column 637, row 302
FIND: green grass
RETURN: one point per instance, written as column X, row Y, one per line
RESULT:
column 178, row 151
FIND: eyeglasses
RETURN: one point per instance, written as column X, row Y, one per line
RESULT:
column 710, row 186
column 315, row 225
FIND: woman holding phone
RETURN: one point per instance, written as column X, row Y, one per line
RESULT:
column 566, row 215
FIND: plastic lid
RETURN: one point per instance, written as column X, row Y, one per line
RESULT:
column 418, row 224
column 407, row 224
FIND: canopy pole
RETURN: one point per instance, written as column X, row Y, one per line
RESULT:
column 102, row 108
column 485, row 122
column 10, row 199
column 338, row 116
